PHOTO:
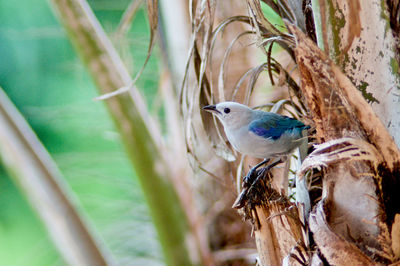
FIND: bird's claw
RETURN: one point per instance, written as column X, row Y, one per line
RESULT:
column 240, row 200
column 249, row 182
column 253, row 173
column 248, row 179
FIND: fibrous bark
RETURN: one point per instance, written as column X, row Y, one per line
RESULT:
column 354, row 190
column 358, row 37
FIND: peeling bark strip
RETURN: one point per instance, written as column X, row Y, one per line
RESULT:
column 340, row 150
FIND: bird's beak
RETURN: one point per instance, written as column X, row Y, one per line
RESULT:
column 211, row 109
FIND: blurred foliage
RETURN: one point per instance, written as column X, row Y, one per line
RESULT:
column 49, row 85
column 273, row 17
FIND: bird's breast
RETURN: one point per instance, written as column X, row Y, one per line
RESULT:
column 248, row 143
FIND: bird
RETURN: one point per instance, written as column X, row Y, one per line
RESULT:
column 257, row 133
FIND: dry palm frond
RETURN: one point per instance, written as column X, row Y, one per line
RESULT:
column 202, row 59
column 152, row 14
column 209, row 75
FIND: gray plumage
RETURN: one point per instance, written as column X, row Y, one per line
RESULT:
column 257, row 133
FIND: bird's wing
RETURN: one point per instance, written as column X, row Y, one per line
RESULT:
column 273, row 126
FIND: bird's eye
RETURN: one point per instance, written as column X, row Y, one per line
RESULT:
column 227, row 110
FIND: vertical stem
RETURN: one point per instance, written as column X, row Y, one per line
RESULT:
column 318, row 23
column 130, row 115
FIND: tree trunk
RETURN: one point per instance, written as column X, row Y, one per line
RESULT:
column 359, row 202
column 350, row 95
column 358, row 37
column 360, row 157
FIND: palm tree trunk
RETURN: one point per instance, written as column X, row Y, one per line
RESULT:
column 358, row 37
column 351, row 222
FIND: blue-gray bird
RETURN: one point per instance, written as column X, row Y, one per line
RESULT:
column 258, row 134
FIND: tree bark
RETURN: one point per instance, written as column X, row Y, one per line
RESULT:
column 354, row 194
column 357, row 36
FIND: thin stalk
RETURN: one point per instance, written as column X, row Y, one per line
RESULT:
column 139, row 135
column 318, row 23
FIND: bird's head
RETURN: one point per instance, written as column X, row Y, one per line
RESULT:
column 231, row 114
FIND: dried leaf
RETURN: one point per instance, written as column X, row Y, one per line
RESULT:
column 296, row 9
column 152, row 14
column 278, row 229
column 278, row 105
column 255, row 73
column 299, row 254
column 221, row 76
column 239, row 83
column 202, row 36
column 258, row 18
column 340, row 150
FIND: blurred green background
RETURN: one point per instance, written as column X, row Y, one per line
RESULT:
column 41, row 74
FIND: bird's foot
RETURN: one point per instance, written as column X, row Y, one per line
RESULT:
column 248, row 183
column 252, row 174
column 250, row 180
column 263, row 171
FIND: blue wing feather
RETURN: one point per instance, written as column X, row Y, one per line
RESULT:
column 271, row 125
